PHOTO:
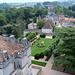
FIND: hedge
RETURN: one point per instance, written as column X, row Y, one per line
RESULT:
column 35, row 40
column 31, row 35
column 39, row 63
column 51, row 47
column 38, row 56
column 42, row 35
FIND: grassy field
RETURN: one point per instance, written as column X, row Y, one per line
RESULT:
column 35, row 49
column 39, row 63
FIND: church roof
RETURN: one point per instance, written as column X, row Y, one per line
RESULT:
column 39, row 18
column 47, row 26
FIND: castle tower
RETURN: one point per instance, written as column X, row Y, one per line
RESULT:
column 50, row 9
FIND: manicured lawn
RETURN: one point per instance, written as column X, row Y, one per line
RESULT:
column 39, row 63
column 35, row 49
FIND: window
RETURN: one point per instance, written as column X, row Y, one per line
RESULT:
column 19, row 66
column 14, row 65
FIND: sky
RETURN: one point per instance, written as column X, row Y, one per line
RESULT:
column 14, row 1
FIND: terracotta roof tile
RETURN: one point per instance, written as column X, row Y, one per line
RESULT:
column 31, row 24
column 10, row 47
column 50, row 21
column 39, row 18
column 47, row 26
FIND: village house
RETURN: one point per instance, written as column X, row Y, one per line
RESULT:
column 66, row 22
column 32, row 25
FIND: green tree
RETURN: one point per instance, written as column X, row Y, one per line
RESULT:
column 40, row 24
column 21, row 26
column 15, row 32
column 38, row 12
column 26, row 13
column 8, row 29
column 2, row 20
column 66, row 49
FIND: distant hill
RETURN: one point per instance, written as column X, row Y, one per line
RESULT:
column 65, row 3
column 4, row 5
column 72, row 1
column 54, row 3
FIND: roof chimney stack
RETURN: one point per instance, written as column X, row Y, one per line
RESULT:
column 5, row 55
column 12, row 39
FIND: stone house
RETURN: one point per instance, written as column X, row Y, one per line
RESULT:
column 32, row 25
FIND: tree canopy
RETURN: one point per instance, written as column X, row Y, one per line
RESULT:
column 66, row 48
column 40, row 24
column 2, row 20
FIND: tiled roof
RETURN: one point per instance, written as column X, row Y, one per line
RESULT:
column 65, row 18
column 50, row 21
column 62, row 16
column 47, row 26
column 9, row 47
column 39, row 18
column 33, row 23
column 70, row 19
column 66, row 21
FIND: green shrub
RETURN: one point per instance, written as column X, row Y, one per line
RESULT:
column 30, row 35
column 47, row 52
column 1, row 33
column 36, row 33
column 52, row 46
column 56, row 53
column 41, row 55
column 21, row 37
column 36, row 56
column 42, row 35
column 41, row 44
column 53, row 36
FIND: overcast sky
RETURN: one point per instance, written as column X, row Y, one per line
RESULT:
column 14, row 1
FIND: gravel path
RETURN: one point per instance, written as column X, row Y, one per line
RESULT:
column 48, row 71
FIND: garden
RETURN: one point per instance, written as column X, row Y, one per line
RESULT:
column 40, row 46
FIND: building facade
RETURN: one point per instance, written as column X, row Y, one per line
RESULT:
column 15, row 56
column 47, row 28
column 32, row 25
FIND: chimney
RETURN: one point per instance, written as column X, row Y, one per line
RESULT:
column 5, row 55
column 12, row 39
column 24, row 41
